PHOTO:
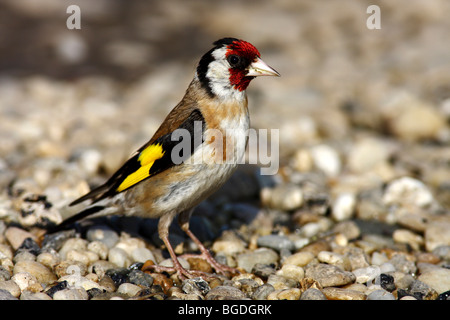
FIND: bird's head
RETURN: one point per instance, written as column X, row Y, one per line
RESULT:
column 227, row 69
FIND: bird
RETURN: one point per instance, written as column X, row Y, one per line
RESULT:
column 172, row 173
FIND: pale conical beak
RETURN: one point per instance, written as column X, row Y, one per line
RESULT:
column 260, row 68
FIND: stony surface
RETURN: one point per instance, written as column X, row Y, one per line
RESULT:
column 358, row 210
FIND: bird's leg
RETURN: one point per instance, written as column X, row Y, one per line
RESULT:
column 183, row 220
column 163, row 231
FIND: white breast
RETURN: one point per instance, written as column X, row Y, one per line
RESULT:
column 206, row 165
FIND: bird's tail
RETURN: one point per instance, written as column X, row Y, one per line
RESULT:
column 80, row 215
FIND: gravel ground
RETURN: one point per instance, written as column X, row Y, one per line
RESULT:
column 360, row 206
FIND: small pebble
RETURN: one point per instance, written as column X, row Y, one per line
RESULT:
column 408, row 237
column 225, row 293
column 263, row 270
column 335, row 259
column 285, row 294
column 26, row 281
column 300, row 259
column 380, row 295
column 276, row 242
column 291, row 271
column 142, row 255
column 71, row 294
column 103, row 234
column 99, row 248
column 229, row 247
column 140, row 278
column 17, row 236
column 368, row 274
column 196, row 286
column 128, row 289
column 247, row 261
column 39, row 271
column 437, row 278
column 407, row 191
column 343, row 207
column 332, row 293
column 119, row 257
column 6, row 295
column 326, row 159
column 329, row 275
column 285, row 197
column 281, row 283
column 11, row 286
column 27, row 295
column 72, row 244
column 262, row 292
column 401, row 263
column 312, row 294
column 437, row 235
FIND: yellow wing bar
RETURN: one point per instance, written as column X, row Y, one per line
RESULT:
column 147, row 157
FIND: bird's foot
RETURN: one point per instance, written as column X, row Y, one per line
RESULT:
column 182, row 273
column 218, row 267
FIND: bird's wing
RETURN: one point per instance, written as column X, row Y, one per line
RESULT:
column 151, row 159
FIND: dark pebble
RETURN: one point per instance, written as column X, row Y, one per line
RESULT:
column 4, row 274
column 55, row 288
column 312, row 294
column 248, row 286
column 263, row 270
column 136, row 266
column 118, row 275
column 262, row 292
column 29, row 245
column 387, row 282
column 56, row 240
column 6, row 295
column 419, row 290
column 195, row 285
column 444, row 295
column 140, row 278
column 92, row 293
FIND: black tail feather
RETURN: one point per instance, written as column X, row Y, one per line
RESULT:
column 82, row 214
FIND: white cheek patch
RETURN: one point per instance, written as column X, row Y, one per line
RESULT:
column 218, row 75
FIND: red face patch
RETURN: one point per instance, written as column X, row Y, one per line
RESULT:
column 247, row 53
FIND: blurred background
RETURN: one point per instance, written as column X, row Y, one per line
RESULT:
column 358, row 106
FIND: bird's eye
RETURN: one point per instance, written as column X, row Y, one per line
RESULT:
column 233, row 60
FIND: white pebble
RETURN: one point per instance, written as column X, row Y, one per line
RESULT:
column 98, row 248
column 11, row 286
column 169, row 263
column 291, row 271
column 407, row 191
column 71, row 294
column 26, row 281
column 129, row 289
column 142, row 255
column 48, row 259
column 327, row 160
column 344, row 207
column 334, row 258
column 77, row 255
column 90, row 161
column 72, row 244
column 379, row 258
column 119, row 257
column 367, row 274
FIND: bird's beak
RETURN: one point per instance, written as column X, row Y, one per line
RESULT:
column 260, row 68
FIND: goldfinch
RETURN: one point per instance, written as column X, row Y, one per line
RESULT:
column 162, row 180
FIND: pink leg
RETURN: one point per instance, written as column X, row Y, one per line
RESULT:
column 183, row 220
